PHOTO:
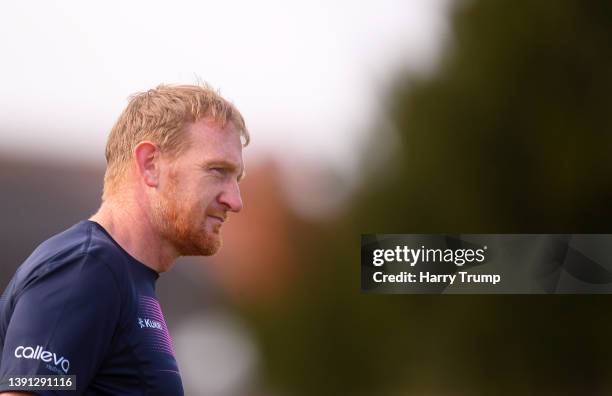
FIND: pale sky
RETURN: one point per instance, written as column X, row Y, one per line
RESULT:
column 307, row 76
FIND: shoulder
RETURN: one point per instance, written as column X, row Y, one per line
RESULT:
column 71, row 273
column 78, row 257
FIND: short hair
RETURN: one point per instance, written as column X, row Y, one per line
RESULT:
column 160, row 115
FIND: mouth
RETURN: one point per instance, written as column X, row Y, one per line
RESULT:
column 219, row 218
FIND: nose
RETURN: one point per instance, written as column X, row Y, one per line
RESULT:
column 230, row 197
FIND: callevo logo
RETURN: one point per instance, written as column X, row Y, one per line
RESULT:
column 39, row 353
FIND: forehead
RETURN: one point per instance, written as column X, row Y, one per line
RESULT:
column 209, row 141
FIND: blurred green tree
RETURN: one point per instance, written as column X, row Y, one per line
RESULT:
column 512, row 134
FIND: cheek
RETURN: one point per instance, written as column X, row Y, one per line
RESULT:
column 206, row 196
column 198, row 198
column 196, row 206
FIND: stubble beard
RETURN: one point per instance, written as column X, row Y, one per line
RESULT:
column 174, row 222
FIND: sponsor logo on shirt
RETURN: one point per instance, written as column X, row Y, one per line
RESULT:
column 150, row 320
column 39, row 353
column 149, row 323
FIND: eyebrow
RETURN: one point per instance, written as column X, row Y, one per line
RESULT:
column 225, row 164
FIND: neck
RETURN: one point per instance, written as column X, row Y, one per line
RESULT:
column 130, row 226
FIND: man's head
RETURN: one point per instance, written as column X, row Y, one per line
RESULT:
column 180, row 149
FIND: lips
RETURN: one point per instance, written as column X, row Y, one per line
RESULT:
column 220, row 218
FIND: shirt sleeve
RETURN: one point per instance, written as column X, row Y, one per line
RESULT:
column 63, row 323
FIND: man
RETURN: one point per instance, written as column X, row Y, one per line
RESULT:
column 84, row 302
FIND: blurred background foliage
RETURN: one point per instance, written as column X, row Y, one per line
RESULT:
column 511, row 134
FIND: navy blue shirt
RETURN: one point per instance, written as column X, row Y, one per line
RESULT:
column 81, row 305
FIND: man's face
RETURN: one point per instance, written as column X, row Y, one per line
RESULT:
column 198, row 188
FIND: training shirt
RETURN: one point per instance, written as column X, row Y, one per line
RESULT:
column 81, row 305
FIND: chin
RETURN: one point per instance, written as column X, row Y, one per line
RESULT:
column 209, row 245
column 197, row 243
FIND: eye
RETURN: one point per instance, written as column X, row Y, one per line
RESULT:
column 218, row 170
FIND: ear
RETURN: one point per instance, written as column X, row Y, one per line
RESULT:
column 147, row 156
